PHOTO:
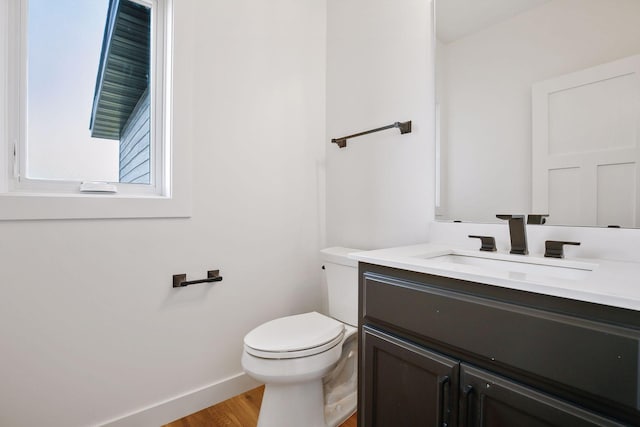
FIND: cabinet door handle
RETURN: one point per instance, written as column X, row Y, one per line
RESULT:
column 465, row 409
column 443, row 385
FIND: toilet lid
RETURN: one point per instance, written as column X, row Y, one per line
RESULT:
column 294, row 333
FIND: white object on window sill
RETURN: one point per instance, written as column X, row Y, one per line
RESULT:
column 97, row 187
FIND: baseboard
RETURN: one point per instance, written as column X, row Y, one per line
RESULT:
column 185, row 404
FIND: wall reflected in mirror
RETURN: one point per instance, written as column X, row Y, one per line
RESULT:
column 538, row 110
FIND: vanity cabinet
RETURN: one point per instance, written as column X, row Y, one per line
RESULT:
column 437, row 351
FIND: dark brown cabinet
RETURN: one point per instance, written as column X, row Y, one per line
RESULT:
column 407, row 385
column 442, row 352
column 490, row 400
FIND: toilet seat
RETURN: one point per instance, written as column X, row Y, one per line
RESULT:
column 296, row 336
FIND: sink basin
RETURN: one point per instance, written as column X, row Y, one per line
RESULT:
column 517, row 269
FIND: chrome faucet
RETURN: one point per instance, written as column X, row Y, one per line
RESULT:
column 517, row 233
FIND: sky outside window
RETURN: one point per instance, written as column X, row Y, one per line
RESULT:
column 64, row 44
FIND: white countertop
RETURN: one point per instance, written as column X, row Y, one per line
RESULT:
column 605, row 282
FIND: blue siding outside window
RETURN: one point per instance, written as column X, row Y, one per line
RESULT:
column 135, row 145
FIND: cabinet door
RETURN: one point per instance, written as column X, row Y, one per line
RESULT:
column 493, row 401
column 405, row 385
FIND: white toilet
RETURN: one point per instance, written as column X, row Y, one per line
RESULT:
column 308, row 362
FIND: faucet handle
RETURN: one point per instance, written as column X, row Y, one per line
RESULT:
column 537, row 218
column 488, row 243
column 553, row 248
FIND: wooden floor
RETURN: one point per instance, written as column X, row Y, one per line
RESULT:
column 239, row 411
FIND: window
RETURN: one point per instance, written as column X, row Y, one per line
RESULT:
column 85, row 109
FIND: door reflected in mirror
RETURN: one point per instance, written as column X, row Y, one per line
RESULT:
column 538, row 107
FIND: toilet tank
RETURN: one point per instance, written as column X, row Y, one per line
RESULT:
column 342, row 284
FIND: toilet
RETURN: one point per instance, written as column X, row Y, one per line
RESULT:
column 308, row 362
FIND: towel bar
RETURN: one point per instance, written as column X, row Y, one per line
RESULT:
column 180, row 280
column 405, row 127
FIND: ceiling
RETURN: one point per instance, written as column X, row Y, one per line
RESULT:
column 458, row 18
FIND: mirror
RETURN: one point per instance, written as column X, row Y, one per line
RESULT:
column 538, row 110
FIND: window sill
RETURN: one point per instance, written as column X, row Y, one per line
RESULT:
column 38, row 206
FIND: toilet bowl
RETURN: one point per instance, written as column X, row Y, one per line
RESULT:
column 308, row 361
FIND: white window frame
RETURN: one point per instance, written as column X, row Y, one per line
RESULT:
column 23, row 198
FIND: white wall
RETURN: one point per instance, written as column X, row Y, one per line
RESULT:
column 486, row 107
column 379, row 71
column 90, row 328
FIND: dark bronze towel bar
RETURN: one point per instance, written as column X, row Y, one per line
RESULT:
column 405, row 127
column 180, row 280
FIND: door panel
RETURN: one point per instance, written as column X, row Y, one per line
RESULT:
column 585, row 127
column 406, row 385
column 488, row 400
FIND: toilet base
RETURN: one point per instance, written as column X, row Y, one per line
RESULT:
column 312, row 391
column 336, row 414
column 293, row 405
